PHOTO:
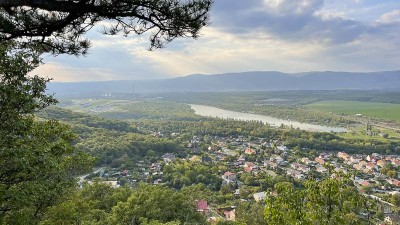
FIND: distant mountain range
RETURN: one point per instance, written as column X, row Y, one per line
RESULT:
column 246, row 81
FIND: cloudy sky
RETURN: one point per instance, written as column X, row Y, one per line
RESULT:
column 278, row 35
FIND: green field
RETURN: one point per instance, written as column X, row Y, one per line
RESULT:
column 370, row 109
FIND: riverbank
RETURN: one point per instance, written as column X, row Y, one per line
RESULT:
column 210, row 111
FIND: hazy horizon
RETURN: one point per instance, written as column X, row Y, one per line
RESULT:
column 226, row 73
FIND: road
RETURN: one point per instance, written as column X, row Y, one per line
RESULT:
column 82, row 177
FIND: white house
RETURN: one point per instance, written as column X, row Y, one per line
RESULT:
column 260, row 196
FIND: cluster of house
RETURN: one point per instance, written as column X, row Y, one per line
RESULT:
column 371, row 165
column 247, row 156
column 368, row 167
column 300, row 169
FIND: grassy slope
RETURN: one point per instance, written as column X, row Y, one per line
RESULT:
column 372, row 109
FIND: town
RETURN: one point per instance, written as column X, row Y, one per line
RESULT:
column 244, row 165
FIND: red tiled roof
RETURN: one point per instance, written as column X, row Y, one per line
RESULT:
column 249, row 164
column 395, row 182
column 365, row 183
column 396, row 162
column 249, row 151
column 202, row 205
column 228, row 173
column 247, row 169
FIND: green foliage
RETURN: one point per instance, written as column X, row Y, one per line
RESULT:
column 395, row 200
column 331, row 201
column 84, row 119
column 250, row 213
column 333, row 142
column 99, row 204
column 156, row 203
column 181, row 173
column 115, row 148
column 91, row 205
column 37, row 161
column 152, row 109
column 389, row 170
column 371, row 109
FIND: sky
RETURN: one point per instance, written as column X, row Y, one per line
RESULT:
column 253, row 35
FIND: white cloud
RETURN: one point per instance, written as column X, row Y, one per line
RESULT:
column 390, row 17
column 283, row 35
column 290, row 7
column 63, row 73
column 224, row 52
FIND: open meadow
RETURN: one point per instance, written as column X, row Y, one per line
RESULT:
column 370, row 109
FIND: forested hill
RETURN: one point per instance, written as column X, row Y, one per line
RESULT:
column 246, row 81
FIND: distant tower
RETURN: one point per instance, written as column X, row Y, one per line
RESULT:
column 369, row 129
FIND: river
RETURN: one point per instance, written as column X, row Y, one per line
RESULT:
column 204, row 110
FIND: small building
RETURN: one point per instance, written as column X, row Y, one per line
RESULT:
column 230, row 214
column 260, row 196
column 241, row 160
column 392, row 219
column 343, row 155
column 381, row 163
column 168, row 157
column 319, row 160
column 270, row 164
column 321, row 169
column 354, row 159
column 202, row 206
column 278, row 159
column 370, row 166
column 282, row 148
column 306, row 161
column 396, row 162
column 249, row 167
column 249, row 151
column 394, row 182
column 229, row 177
column 155, row 167
column 371, row 158
column 112, row 183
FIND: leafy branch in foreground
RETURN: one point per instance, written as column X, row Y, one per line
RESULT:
column 330, row 201
column 37, row 160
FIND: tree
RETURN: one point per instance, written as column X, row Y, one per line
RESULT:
column 37, row 160
column 58, row 26
column 331, row 201
column 156, row 203
column 250, row 213
column 90, row 205
column 392, row 173
column 395, row 199
column 286, row 207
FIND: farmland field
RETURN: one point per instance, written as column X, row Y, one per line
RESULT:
column 369, row 109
